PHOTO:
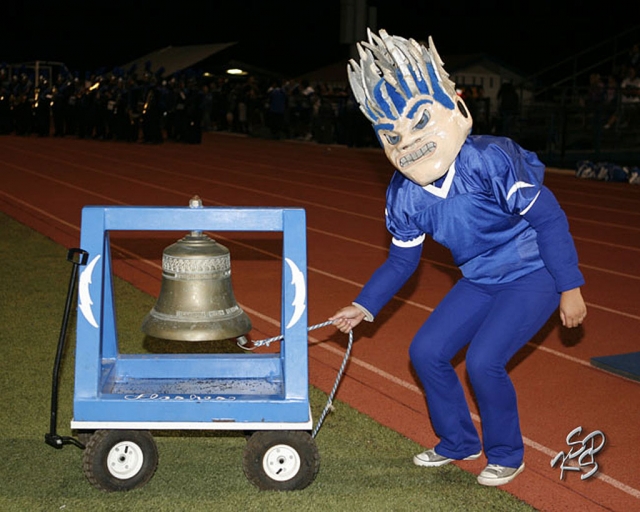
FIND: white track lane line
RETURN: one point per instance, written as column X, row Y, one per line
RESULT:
column 377, row 371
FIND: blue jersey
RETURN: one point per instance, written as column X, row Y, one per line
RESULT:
column 476, row 210
column 493, row 213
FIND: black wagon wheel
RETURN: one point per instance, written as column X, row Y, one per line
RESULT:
column 120, row 460
column 281, row 460
column 84, row 436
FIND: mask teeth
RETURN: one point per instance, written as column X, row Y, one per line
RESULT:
column 418, row 154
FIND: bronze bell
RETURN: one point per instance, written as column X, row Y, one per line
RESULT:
column 196, row 301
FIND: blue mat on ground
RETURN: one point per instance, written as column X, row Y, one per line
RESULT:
column 626, row 365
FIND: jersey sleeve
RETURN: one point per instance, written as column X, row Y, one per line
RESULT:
column 555, row 242
column 387, row 280
column 400, row 208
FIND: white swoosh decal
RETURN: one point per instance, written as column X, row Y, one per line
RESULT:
column 83, row 292
column 516, row 186
column 300, row 296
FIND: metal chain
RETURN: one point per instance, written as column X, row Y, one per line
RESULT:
column 266, row 342
column 329, row 405
column 327, row 408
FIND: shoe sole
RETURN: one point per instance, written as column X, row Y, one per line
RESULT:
column 437, row 464
column 494, row 482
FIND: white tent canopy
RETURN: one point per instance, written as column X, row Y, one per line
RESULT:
column 176, row 58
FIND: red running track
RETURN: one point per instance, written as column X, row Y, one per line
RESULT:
column 46, row 182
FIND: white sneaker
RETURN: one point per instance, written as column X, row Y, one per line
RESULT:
column 494, row 474
column 431, row 459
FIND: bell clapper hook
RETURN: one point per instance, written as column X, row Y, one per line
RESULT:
column 242, row 342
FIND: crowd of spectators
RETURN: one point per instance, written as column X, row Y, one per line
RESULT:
column 147, row 107
column 614, row 98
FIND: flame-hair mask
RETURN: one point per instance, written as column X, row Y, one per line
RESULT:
column 405, row 92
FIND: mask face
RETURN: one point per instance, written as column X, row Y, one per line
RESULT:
column 425, row 140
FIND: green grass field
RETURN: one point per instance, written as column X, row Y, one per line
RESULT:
column 364, row 466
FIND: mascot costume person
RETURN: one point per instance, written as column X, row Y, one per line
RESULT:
column 482, row 197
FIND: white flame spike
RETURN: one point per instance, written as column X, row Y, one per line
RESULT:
column 438, row 64
column 401, row 54
column 358, row 81
column 383, row 60
column 353, row 73
column 371, row 79
column 415, row 49
column 375, row 39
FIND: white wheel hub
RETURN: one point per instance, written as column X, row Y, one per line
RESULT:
column 125, row 460
column 281, row 462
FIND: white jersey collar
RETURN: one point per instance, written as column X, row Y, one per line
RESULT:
column 443, row 190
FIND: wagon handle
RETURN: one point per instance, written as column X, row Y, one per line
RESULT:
column 77, row 257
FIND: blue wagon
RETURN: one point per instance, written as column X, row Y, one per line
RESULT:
column 120, row 398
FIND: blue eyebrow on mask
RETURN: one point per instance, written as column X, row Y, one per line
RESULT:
column 414, row 109
column 385, row 126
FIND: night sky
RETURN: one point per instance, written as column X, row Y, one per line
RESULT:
column 292, row 37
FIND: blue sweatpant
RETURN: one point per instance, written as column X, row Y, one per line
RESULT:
column 495, row 321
